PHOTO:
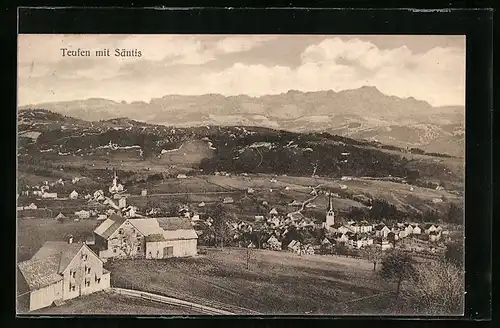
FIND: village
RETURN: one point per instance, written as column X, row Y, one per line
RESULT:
column 65, row 269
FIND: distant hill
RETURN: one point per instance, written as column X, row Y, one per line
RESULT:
column 364, row 113
column 46, row 137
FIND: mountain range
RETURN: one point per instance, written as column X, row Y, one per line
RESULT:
column 363, row 113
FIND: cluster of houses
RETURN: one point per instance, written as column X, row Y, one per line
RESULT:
column 352, row 234
column 362, row 234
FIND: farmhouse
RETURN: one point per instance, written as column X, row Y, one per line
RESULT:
column 60, row 271
column 152, row 238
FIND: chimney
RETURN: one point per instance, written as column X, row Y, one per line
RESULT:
column 70, row 240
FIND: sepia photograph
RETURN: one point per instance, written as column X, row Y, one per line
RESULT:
column 250, row 174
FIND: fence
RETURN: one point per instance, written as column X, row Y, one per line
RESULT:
column 171, row 301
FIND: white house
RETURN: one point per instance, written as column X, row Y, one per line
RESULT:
column 381, row 230
column 60, row 216
column 428, row 228
column 202, row 204
column 250, row 190
column 31, row 206
column 294, row 246
column 273, row 243
column 83, row 214
column 273, row 212
column 359, row 241
column 122, row 202
column 416, row 229
column 181, row 176
column 144, row 192
column 384, row 244
column 99, row 195
column 60, row 271
column 49, row 195
column 73, row 195
column 228, row 200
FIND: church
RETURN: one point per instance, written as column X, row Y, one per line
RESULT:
column 115, row 187
column 330, row 215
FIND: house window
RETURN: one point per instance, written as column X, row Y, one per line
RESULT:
column 138, row 248
column 74, row 274
column 120, row 231
column 72, row 288
column 98, row 280
column 114, row 250
column 87, row 283
column 88, row 270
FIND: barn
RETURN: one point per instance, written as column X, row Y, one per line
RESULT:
column 152, row 238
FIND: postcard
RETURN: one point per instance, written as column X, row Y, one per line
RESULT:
column 240, row 174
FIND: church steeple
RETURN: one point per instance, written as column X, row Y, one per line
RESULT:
column 330, row 204
column 330, row 214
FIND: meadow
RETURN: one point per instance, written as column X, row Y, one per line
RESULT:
column 271, row 282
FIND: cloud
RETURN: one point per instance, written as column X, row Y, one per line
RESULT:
column 180, row 64
column 241, row 43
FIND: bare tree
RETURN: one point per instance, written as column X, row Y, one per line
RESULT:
column 373, row 254
column 437, row 288
column 397, row 266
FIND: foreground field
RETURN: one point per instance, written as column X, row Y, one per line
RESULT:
column 274, row 283
column 111, row 303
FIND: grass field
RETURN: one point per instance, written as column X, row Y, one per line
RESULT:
column 33, row 233
column 111, row 303
column 275, row 283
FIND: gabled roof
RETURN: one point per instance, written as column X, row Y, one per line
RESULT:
column 380, row 227
column 109, row 226
column 146, row 226
column 428, row 225
column 175, row 223
column 48, row 263
column 64, row 250
column 39, row 273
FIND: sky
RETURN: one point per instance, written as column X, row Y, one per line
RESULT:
column 426, row 67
